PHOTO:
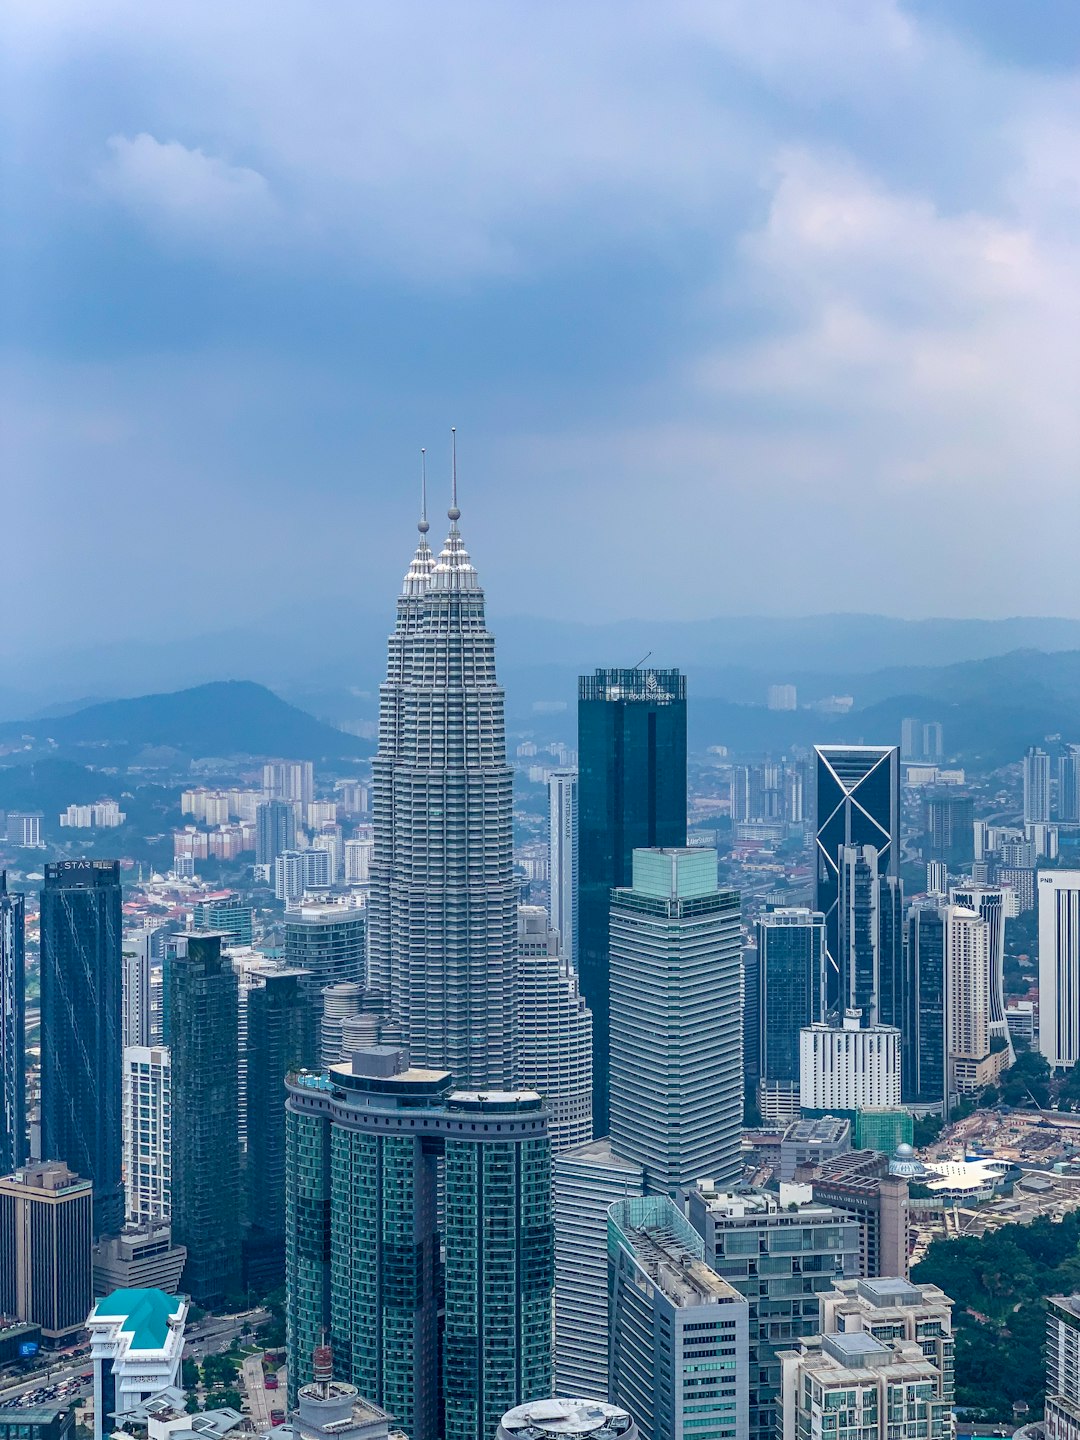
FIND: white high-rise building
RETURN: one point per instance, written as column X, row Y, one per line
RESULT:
column 358, row 861
column 846, row 1067
column 443, row 904
column 1036, row 787
column 586, row 1182
column 968, row 969
column 993, row 903
column 147, row 1130
column 290, row 780
column 136, row 1348
column 563, row 859
column 1059, row 966
column 298, row 871
column 676, row 1020
column 135, row 1020
column 556, row 1032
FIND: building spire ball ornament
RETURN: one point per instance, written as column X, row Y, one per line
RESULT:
column 453, row 513
column 422, row 524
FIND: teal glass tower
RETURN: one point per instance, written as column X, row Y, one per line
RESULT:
column 363, row 1150
column 203, row 1005
column 81, row 1029
column 631, row 795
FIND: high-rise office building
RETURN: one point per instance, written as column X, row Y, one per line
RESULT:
column 678, row 1331
column 751, row 1013
column 808, row 1248
column 967, row 1001
column 147, row 1115
column 631, row 795
column 563, row 859
column 280, row 1036
column 862, row 1184
column 81, row 1029
column 1068, row 794
column 275, row 830
column 1059, row 967
column 991, row 903
column 676, row 1021
column 556, row 1032
column 791, row 983
column 46, row 1216
column 1036, row 787
column 858, row 803
column 925, row 1051
column 363, row 1248
column 870, row 931
column 587, row 1182
column 12, row 1028
column 341, row 1002
column 443, row 901
column 849, row 1067
column 204, row 1048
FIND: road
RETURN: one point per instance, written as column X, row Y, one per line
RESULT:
column 38, row 1379
column 260, row 1400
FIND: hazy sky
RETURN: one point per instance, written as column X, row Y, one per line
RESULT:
column 738, row 305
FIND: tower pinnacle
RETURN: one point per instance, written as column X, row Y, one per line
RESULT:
column 422, row 524
column 454, row 513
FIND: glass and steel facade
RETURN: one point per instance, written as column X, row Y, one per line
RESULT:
column 791, row 987
column 82, row 1029
column 676, row 1020
column 12, row 1028
column 631, row 795
column 442, row 905
column 364, row 1150
column 204, row 1049
column 857, row 803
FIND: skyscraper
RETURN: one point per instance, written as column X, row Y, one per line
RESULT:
column 1036, row 787
column 791, row 985
column 925, row 1050
column 135, row 1026
column 443, row 902
column 631, row 795
column 870, row 934
column 81, row 1029
column 203, row 1043
column 678, row 1331
column 1068, row 797
column 46, row 1216
column 1059, row 966
column 556, row 1032
column 12, row 1028
column 280, row 1034
column 147, row 1133
column 275, row 830
column 676, row 1022
column 562, row 859
column 858, row 803
column 989, row 901
column 363, row 1245
column 968, row 968
column 587, row 1181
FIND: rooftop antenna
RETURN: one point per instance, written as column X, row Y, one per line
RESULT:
column 422, row 523
column 641, row 661
column 453, row 512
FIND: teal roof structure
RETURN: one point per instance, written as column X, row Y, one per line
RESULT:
column 146, row 1315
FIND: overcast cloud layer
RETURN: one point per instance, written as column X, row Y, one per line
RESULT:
column 738, row 305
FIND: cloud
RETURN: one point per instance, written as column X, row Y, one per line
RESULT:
column 183, row 192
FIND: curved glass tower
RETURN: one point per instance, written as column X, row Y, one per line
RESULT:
column 443, row 914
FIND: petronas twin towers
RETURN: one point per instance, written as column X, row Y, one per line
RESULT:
column 443, row 906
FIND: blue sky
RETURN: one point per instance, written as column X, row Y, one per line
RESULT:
column 738, row 305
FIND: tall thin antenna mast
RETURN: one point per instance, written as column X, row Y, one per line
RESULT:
column 453, row 512
column 422, row 525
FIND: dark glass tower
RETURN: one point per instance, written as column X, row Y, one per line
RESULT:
column 280, row 1035
column 275, row 830
column 925, row 1053
column 12, row 1029
column 791, row 950
column 858, row 803
column 631, row 796
column 81, row 1029
column 203, row 1038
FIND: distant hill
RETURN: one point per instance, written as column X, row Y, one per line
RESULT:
column 226, row 717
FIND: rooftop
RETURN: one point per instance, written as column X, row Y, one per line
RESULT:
column 681, row 1275
column 147, row 1314
column 565, row 1417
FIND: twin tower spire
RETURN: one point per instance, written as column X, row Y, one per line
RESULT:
column 453, row 570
